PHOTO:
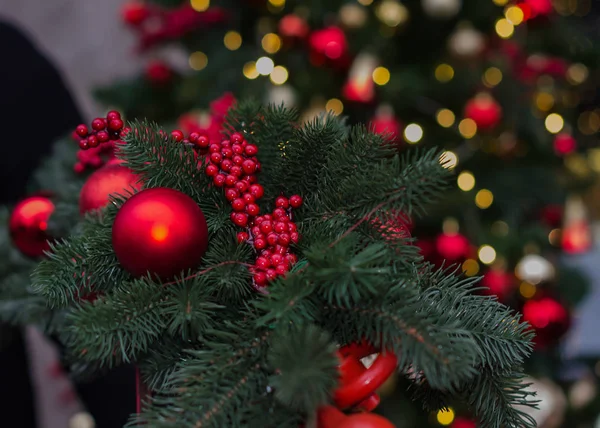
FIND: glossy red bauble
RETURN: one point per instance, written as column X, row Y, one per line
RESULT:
column 134, row 13
column 463, row 423
column 484, row 111
column 161, row 231
column 109, row 180
column 330, row 417
column 452, row 247
column 499, row 283
column 28, row 224
column 549, row 318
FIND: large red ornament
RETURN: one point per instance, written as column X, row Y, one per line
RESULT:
column 330, row 417
column 549, row 318
column 28, row 224
column 161, row 231
column 564, row 144
column 386, row 124
column 484, row 111
column 452, row 246
column 463, row 423
column 358, row 385
column 109, row 180
column 499, row 283
column 329, row 45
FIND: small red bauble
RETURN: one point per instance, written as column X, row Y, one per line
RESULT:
column 452, row 246
column 499, row 283
column 564, row 144
column 295, row 201
column 484, row 111
column 161, row 231
column 549, row 318
column 109, row 180
column 134, row 13
column 28, row 224
column 330, row 417
column 463, row 423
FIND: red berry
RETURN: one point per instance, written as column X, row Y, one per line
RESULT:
column 226, row 165
column 134, row 13
column 83, row 144
column 237, row 159
column 203, row 141
column 216, row 158
column 280, row 227
column 248, row 198
column 272, row 239
column 279, row 213
column 230, row 180
column 292, row 226
column 212, row 170
column 242, row 237
column 194, row 137
column 252, row 209
column 236, row 170
column 281, row 269
column 115, row 125
column 78, row 168
column 249, row 166
column 257, row 191
column 260, row 243
column 102, row 136
column 219, row 180
column 113, row 115
column 295, row 237
column 284, row 239
column 93, row 141
column 266, row 227
column 238, row 204
column 98, row 124
column 260, row 278
column 177, row 135
column 227, row 152
column 268, row 217
column 280, row 249
column 271, row 274
column 256, row 231
column 230, row 194
column 237, row 138
column 295, row 201
column 237, row 149
column 214, row 148
column 282, row 202
column 81, row 130
column 263, row 263
column 241, row 219
column 251, row 150
column 251, row 179
column 225, row 143
column 276, row 259
column 241, row 185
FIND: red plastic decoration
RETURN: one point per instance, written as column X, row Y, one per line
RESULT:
column 484, row 111
column 564, row 144
column 109, row 180
column 330, row 417
column 358, row 385
column 28, row 224
column 452, row 246
column 549, row 318
column 161, row 231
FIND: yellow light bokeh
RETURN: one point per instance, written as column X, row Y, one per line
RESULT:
column 250, row 70
column 554, row 123
column 413, row 133
column 392, row 13
column 445, row 417
column 279, row 75
column 271, row 43
column 444, row 73
column 465, row 181
column 277, row 3
column 504, row 28
column 232, row 40
column 484, row 199
column 470, row 267
column 365, row 2
column 200, row 5
column 445, row 118
column 198, row 60
column 492, row 77
column 334, row 105
column 589, row 122
column 514, row 14
column 265, row 65
column 527, row 289
column 544, row 101
column 500, row 228
column 577, row 74
column 500, row 2
column 554, row 237
column 467, row 128
column 487, row 254
column 449, row 160
column 381, row 76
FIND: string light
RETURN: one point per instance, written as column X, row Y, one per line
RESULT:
column 554, row 237
column 544, row 101
column 500, row 2
column 200, row 5
column 334, row 105
column 444, row 73
column 484, row 199
column 492, row 77
column 465, row 181
column 279, row 75
column 554, row 123
column 250, row 71
column 265, row 65
column 449, row 160
column 504, row 28
column 232, row 40
column 577, row 74
column 381, row 76
column 413, row 133
column 271, row 43
column 277, row 3
column 514, row 14
column 527, row 289
column 445, row 118
column 198, row 60
column 470, row 267
column 467, row 128
column 445, row 416
column 487, row 254
column 392, row 13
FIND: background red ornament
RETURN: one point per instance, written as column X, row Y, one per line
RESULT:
column 499, row 283
column 549, row 318
column 29, row 223
column 564, row 144
column 484, row 111
column 161, row 231
column 452, row 246
column 109, row 180
column 330, row 417
column 159, row 73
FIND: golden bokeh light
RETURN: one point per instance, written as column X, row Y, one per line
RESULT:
column 577, row 74
column 492, row 77
column 465, row 181
column 527, row 289
column 554, row 123
column 413, row 133
column 200, row 5
column 381, row 76
column 500, row 2
column 514, row 14
column 444, row 73
column 271, row 43
column 334, row 105
column 504, row 28
column 277, row 3
column 279, row 75
column 470, row 267
column 445, row 118
column 467, row 128
column 198, row 60
column 487, row 254
column 484, row 199
column 449, row 160
column 554, row 237
column 445, row 417
column 250, row 70
column 232, row 40
column 365, row 2
column 544, row 101
column 392, row 13
column 500, row 228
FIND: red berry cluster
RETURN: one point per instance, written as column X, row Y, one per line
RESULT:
column 98, row 141
column 233, row 165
